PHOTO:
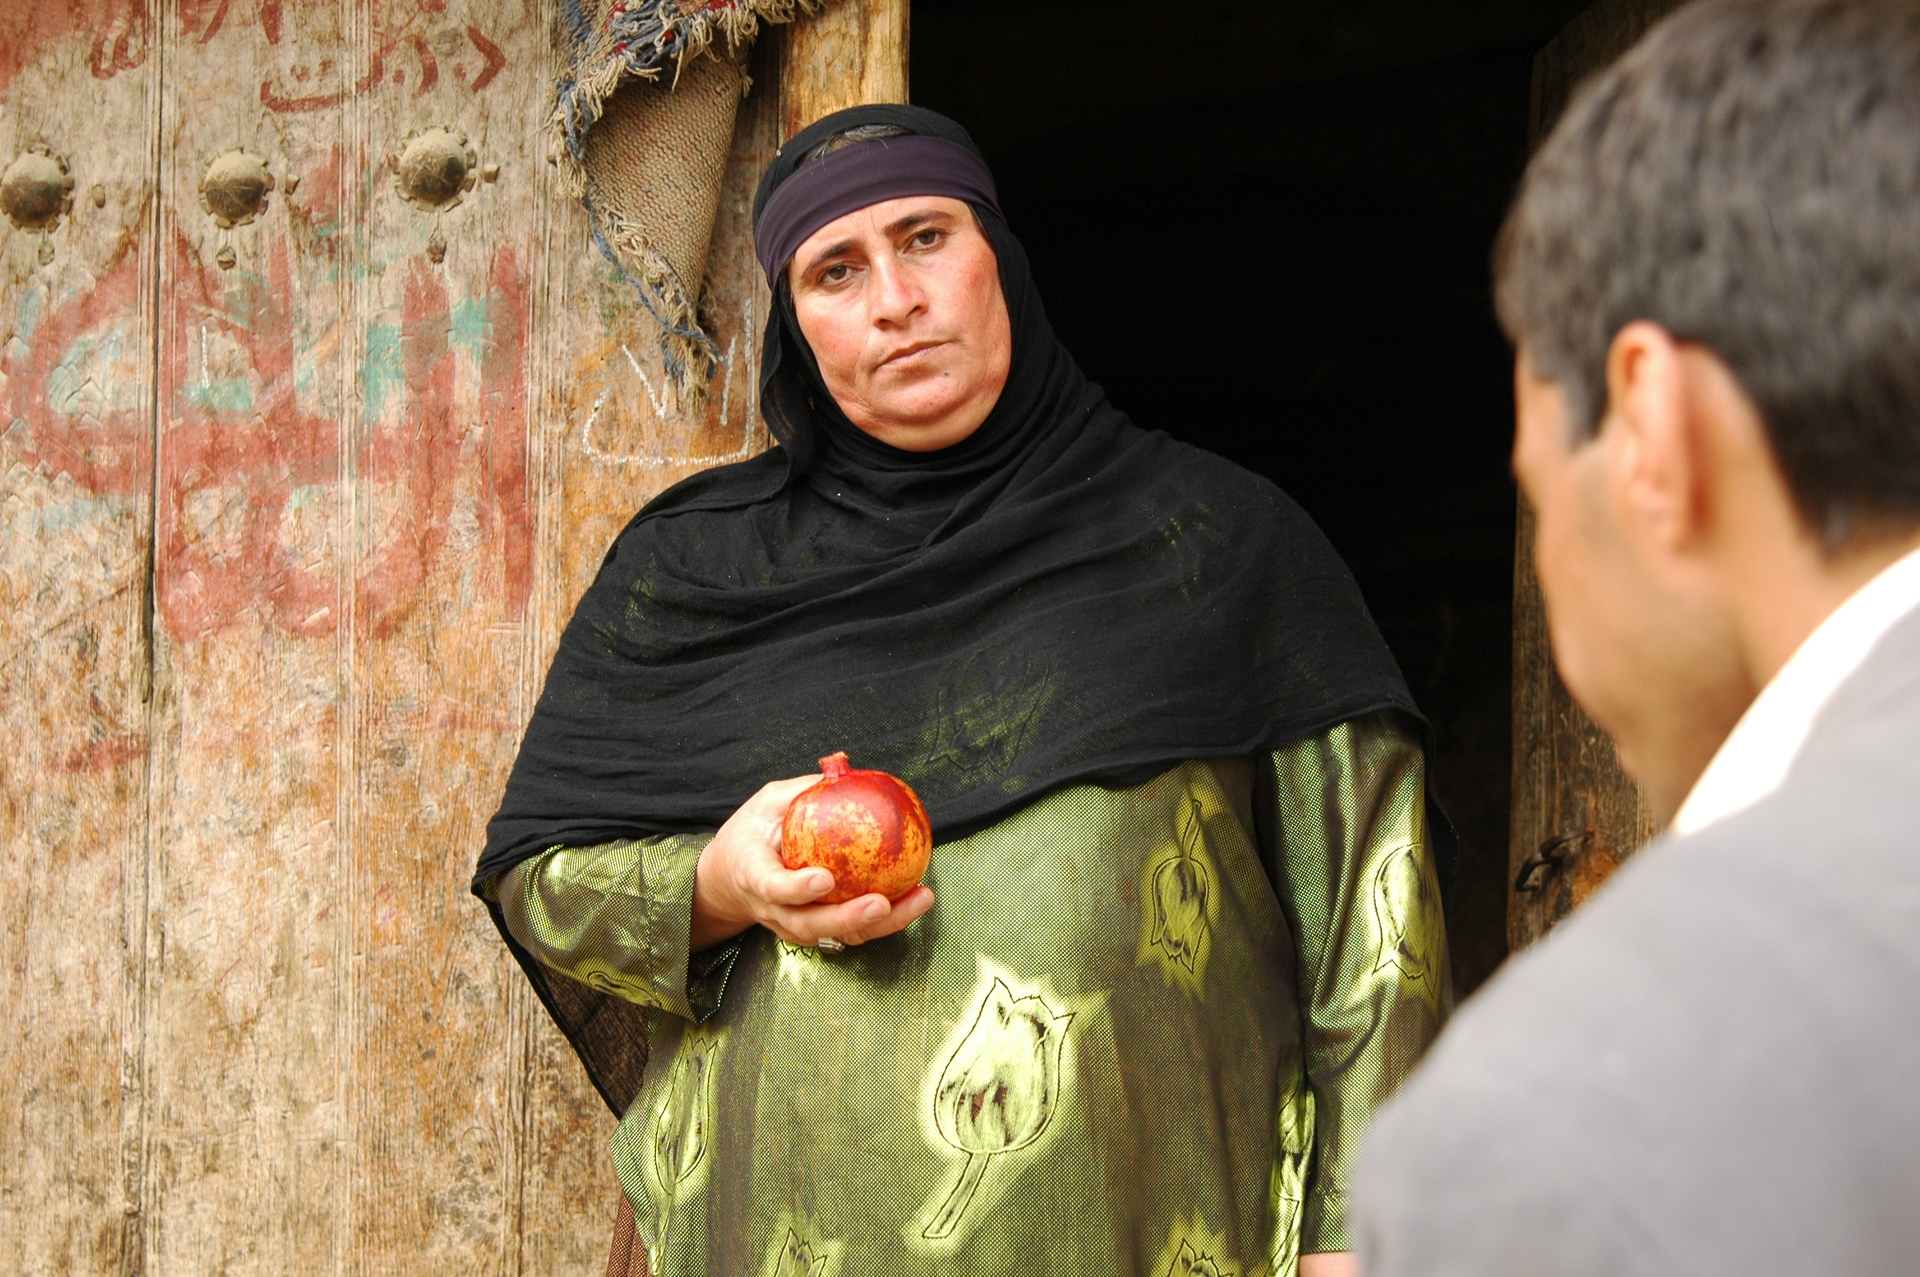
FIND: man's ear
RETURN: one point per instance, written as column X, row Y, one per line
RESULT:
column 1649, row 437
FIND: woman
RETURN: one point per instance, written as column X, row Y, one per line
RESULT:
column 1188, row 931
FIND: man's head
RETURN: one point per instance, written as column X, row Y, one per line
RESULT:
column 1712, row 276
column 894, row 283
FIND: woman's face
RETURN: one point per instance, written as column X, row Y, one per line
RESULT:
column 901, row 303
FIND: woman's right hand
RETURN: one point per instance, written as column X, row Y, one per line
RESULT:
column 741, row 882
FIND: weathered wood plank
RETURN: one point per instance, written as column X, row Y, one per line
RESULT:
column 250, row 1036
column 76, row 342
column 609, row 440
column 1569, row 794
column 851, row 52
column 349, row 625
column 443, row 577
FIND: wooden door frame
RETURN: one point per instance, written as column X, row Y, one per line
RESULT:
column 1576, row 814
column 851, row 53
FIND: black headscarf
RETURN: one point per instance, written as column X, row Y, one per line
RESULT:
column 1062, row 598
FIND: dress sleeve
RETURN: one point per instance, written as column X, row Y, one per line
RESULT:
column 1344, row 834
column 619, row 917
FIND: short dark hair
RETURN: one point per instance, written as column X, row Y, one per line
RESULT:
column 1748, row 177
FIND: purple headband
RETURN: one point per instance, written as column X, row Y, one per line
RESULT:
column 859, row 175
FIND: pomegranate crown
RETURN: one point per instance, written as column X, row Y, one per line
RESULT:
column 835, row 765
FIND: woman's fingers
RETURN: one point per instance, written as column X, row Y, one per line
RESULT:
column 778, row 885
column 899, row 916
column 807, row 923
column 854, row 922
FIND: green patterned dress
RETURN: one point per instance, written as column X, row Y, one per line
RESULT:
column 1141, row 1032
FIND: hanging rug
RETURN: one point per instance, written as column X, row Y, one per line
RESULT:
column 642, row 126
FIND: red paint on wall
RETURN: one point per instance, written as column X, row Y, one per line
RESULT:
column 250, row 516
column 104, row 755
column 202, row 18
column 316, row 210
column 296, row 104
column 232, row 479
column 107, row 453
column 117, row 33
column 503, row 389
column 429, row 65
column 396, row 30
column 491, row 52
column 227, row 476
column 422, row 455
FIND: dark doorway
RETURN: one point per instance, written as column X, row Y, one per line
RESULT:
column 1265, row 230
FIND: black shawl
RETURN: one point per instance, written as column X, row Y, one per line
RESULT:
column 1060, row 599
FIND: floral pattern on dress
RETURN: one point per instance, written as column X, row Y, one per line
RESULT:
column 1409, row 918
column 680, row 1131
column 799, row 964
column 798, row 1250
column 994, row 1095
column 1194, row 1250
column 1180, row 904
column 1292, row 1155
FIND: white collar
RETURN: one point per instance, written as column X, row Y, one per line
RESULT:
column 1754, row 758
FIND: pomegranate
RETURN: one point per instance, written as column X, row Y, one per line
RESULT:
column 865, row 828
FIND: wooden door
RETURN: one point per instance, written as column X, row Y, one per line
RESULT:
column 77, row 329
column 294, row 501
column 1576, row 815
